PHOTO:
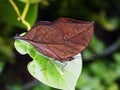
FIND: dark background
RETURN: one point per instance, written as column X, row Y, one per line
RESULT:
column 101, row 60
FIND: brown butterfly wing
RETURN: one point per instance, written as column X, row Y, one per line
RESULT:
column 76, row 36
column 60, row 39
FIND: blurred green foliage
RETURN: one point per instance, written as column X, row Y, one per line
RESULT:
column 101, row 73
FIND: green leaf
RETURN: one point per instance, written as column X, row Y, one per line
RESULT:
column 100, row 45
column 116, row 56
column 51, row 74
column 108, row 23
column 113, row 86
column 8, row 14
column 87, row 82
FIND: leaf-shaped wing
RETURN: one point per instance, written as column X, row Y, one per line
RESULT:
column 60, row 39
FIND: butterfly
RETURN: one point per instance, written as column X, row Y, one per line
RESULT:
column 61, row 39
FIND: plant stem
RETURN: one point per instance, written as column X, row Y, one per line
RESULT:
column 26, row 24
column 25, row 10
column 22, row 17
column 15, row 8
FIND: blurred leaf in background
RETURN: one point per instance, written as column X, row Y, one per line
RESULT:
column 12, row 19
